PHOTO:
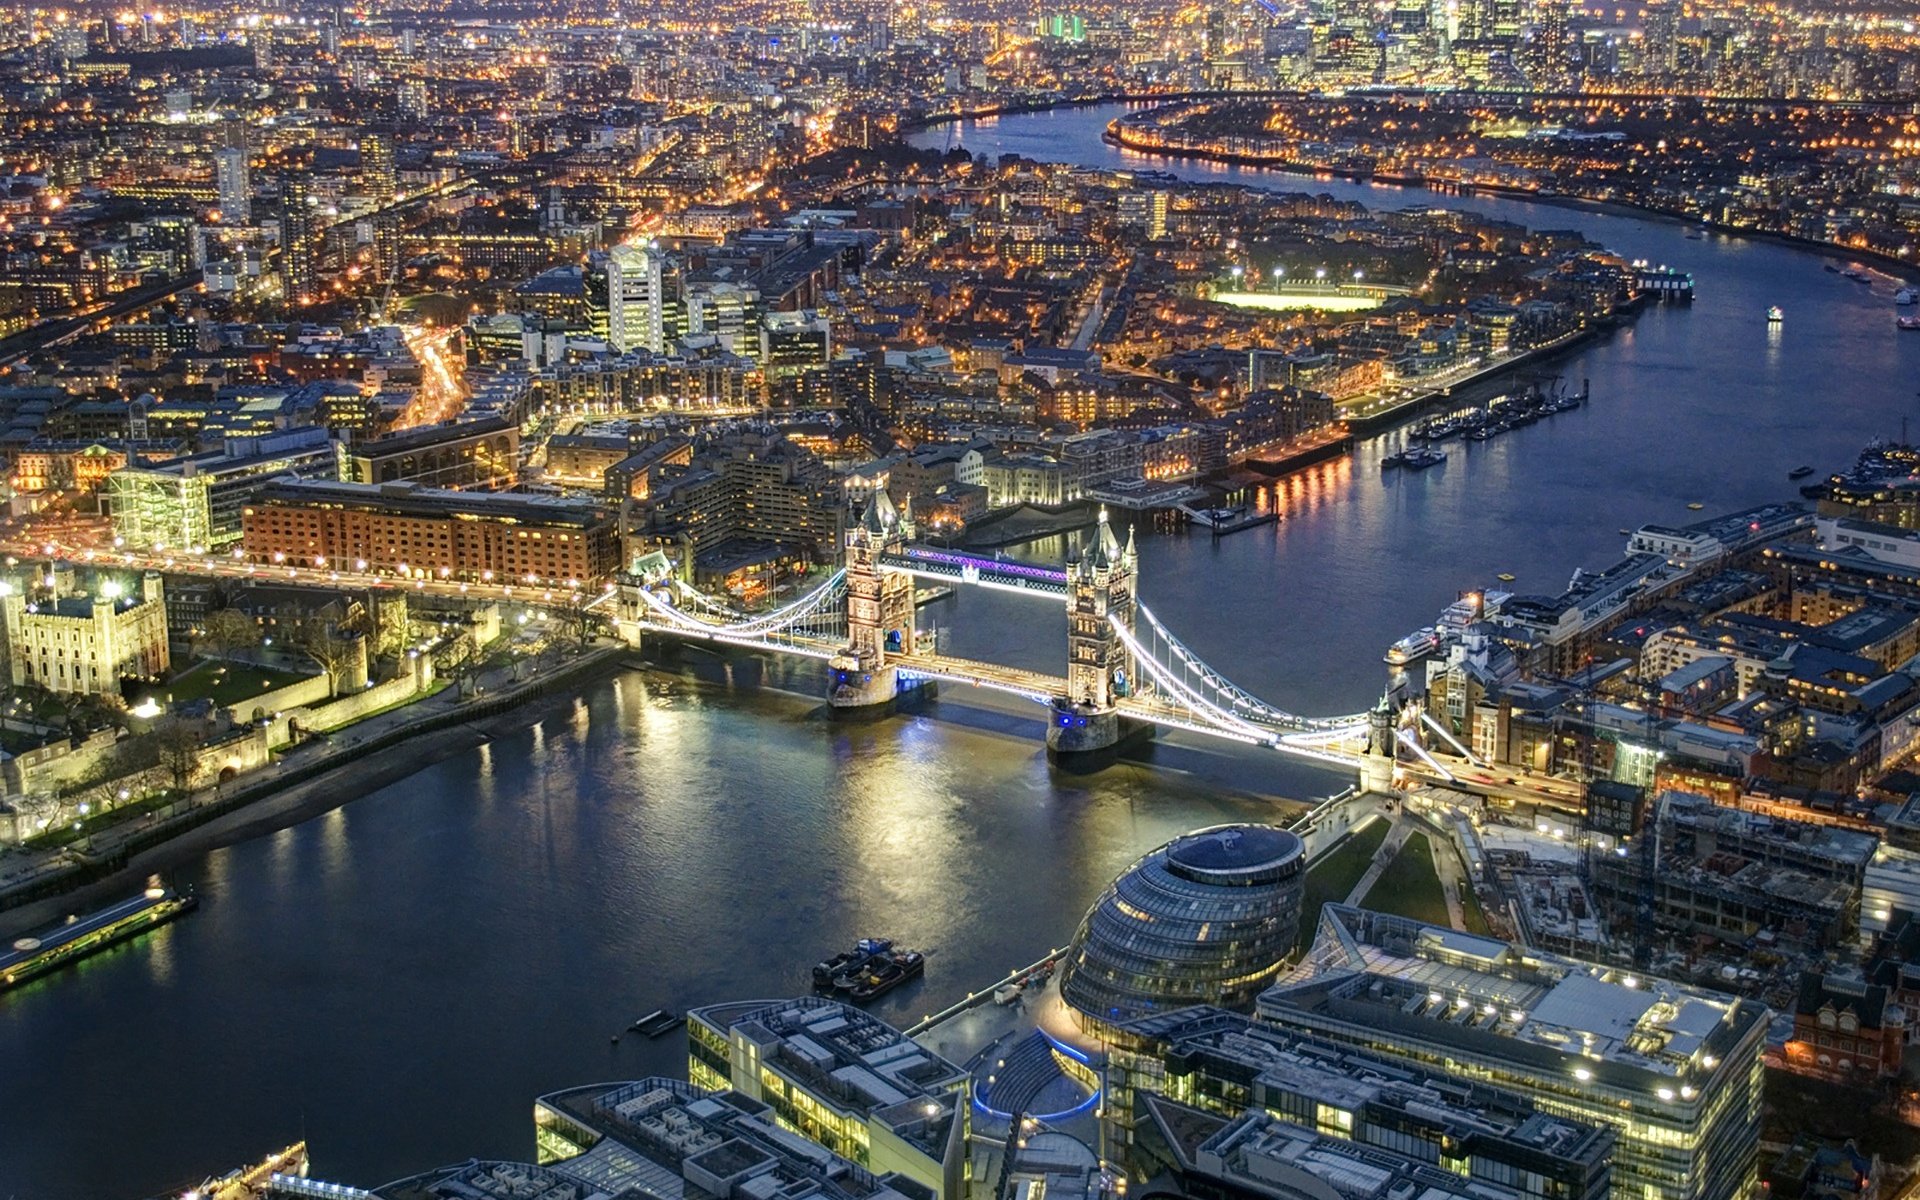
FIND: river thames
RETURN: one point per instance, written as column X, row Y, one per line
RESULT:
column 398, row 979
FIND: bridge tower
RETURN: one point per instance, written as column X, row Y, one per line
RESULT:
column 1102, row 579
column 1376, row 766
column 879, row 609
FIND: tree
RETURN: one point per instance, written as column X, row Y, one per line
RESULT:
column 333, row 650
column 176, row 744
column 457, row 658
column 228, row 632
column 580, row 619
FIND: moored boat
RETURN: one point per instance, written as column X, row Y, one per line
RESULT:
column 77, row 937
column 657, row 1022
column 864, row 951
column 887, row 973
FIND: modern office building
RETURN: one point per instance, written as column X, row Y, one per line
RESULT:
column 195, row 502
column 636, row 299
column 432, row 533
column 1675, row 1070
column 1208, row 918
column 844, row 1079
column 793, row 347
column 650, row 1139
column 1228, row 1064
column 87, row 643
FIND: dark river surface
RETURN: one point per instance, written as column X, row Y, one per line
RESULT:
column 398, row 979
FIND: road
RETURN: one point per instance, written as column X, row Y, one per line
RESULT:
column 1502, row 781
column 443, row 378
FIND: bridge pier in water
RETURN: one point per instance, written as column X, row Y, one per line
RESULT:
column 1085, row 725
column 880, row 614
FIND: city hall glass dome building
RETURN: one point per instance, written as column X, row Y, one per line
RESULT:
column 1207, row 918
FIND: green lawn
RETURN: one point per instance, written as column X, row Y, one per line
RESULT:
column 1333, row 875
column 228, row 683
column 1409, row 886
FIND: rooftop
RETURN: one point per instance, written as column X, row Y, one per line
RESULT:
column 1555, row 1013
column 848, row 1056
column 1259, row 1154
column 659, row 1139
column 435, row 502
column 1282, row 1061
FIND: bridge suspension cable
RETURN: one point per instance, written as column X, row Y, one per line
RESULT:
column 703, row 601
column 1184, row 693
column 1238, row 700
column 778, row 620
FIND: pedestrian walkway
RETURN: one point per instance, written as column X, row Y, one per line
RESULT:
column 1397, row 836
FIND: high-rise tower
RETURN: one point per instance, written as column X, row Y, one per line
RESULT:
column 231, row 186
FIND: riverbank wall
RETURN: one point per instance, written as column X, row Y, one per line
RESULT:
column 353, row 768
column 1481, row 384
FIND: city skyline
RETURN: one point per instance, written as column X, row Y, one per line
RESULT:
column 960, row 601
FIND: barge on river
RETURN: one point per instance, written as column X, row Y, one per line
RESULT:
column 51, row 949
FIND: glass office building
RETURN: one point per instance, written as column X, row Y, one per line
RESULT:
column 1208, row 918
column 1675, row 1070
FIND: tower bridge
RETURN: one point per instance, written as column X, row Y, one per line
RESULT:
column 1126, row 672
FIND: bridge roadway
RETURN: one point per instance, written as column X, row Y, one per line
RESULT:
column 1499, row 781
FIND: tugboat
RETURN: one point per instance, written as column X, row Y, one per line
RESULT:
column 887, row 973
column 828, row 974
column 1775, row 316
